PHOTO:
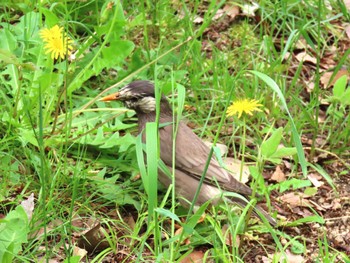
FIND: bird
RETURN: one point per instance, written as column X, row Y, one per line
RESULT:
column 191, row 153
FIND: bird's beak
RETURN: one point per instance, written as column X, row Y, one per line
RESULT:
column 114, row 96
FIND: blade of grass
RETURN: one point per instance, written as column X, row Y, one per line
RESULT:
column 296, row 137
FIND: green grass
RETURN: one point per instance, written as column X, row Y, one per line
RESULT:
column 82, row 159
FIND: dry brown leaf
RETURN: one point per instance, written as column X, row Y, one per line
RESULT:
column 231, row 10
column 326, row 77
column 198, row 20
column 295, row 199
column 223, row 148
column 347, row 31
column 304, row 57
column 130, row 221
column 194, row 257
column 288, row 257
column 278, row 175
column 347, row 4
column 28, row 206
column 178, row 231
column 292, row 258
column 234, row 166
column 301, row 44
column 265, row 259
column 77, row 251
column 314, row 179
column 218, row 14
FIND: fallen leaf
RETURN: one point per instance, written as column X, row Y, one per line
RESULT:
column 314, row 179
column 347, row 4
column 218, row 14
column 292, row 258
column 249, row 9
column 304, row 57
column 347, row 31
column 278, row 175
column 326, row 77
column 295, row 199
column 234, row 166
column 231, row 10
column 130, row 221
column 198, row 20
column 77, row 251
column 195, row 256
column 28, row 206
column 301, row 44
column 223, row 148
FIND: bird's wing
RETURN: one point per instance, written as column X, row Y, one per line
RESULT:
column 191, row 156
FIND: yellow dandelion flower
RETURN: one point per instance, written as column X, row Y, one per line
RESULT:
column 56, row 42
column 243, row 105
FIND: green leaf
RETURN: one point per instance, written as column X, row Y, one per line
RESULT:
column 297, row 247
column 167, row 213
column 296, row 137
column 73, row 259
column 308, row 219
column 27, row 136
column 8, row 41
column 13, row 231
column 8, row 57
column 339, row 86
column 50, row 18
column 284, row 152
column 294, row 183
column 310, row 191
column 345, row 99
column 269, row 146
column 275, row 160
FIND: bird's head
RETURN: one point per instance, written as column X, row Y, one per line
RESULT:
column 138, row 95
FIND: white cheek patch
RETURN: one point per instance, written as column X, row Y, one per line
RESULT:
column 126, row 93
column 147, row 104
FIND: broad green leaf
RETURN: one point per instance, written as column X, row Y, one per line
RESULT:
column 8, row 41
column 99, row 137
column 27, row 136
column 294, row 183
column 275, row 160
column 72, row 259
column 8, row 57
column 339, row 86
column 111, row 141
column 50, row 18
column 284, row 152
column 308, row 219
column 14, row 234
column 270, row 146
column 345, row 99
